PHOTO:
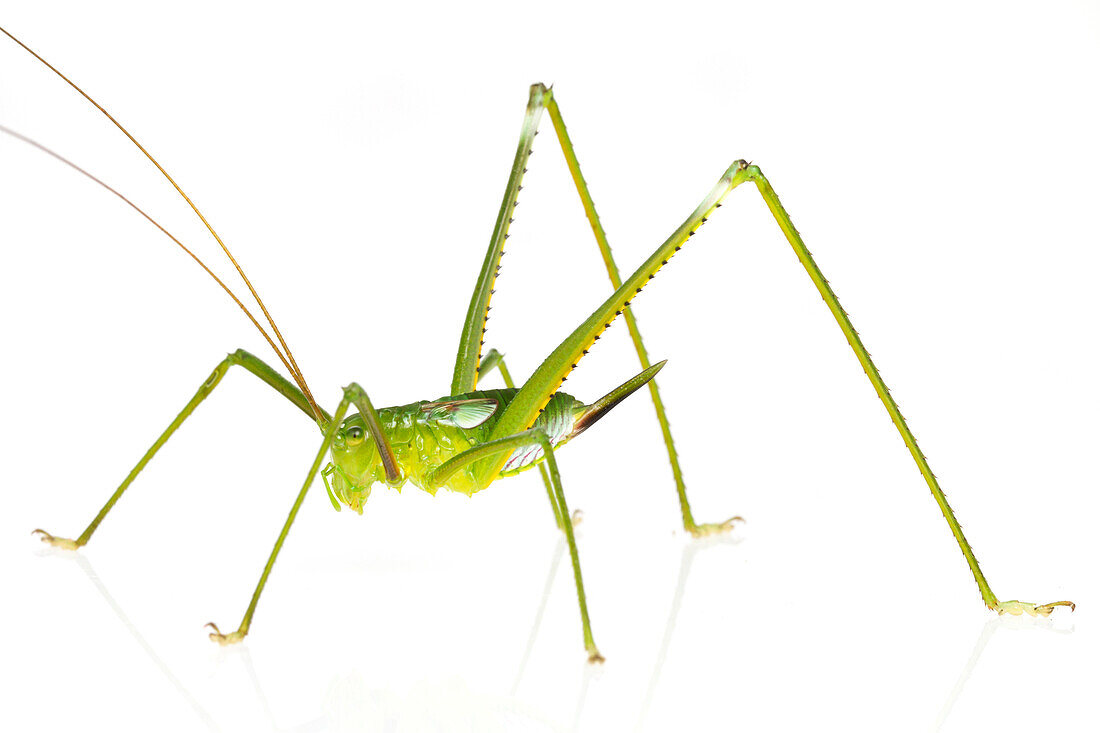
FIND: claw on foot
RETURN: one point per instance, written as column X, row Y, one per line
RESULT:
column 223, row 639
column 705, row 530
column 1019, row 608
column 60, row 542
column 594, row 656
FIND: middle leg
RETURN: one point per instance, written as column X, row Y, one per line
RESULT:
column 495, row 360
column 506, row 446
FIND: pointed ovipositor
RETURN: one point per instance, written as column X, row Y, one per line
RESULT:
column 591, row 413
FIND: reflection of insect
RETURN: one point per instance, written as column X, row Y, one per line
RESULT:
column 468, row 439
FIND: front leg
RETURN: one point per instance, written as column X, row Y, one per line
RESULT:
column 353, row 394
column 238, row 358
column 330, row 433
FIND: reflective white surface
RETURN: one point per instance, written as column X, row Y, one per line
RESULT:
column 940, row 163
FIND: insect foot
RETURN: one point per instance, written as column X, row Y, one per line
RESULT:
column 575, row 519
column 1019, row 608
column 61, row 542
column 705, row 530
column 224, row 639
column 594, row 656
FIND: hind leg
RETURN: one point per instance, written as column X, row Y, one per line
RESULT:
column 473, row 332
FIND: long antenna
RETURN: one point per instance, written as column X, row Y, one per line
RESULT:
column 157, row 224
column 292, row 366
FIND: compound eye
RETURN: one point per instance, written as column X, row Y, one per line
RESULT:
column 355, row 435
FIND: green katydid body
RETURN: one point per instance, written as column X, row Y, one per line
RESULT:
column 425, row 435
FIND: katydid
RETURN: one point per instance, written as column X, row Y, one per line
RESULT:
column 469, row 438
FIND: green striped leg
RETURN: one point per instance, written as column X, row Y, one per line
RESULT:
column 466, row 366
column 631, row 324
column 239, row 358
column 1015, row 608
column 495, row 360
column 505, row 446
column 473, row 328
column 353, row 394
column 548, row 377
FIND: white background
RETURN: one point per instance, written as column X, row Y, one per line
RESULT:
column 940, row 161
